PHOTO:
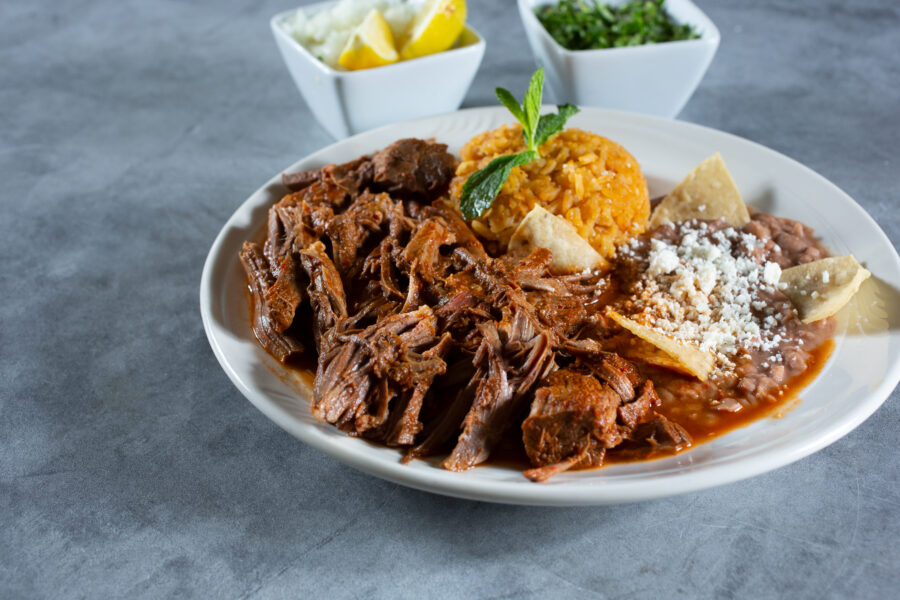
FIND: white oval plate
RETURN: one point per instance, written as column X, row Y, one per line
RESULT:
column 860, row 375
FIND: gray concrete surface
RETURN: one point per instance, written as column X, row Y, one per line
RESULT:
column 131, row 467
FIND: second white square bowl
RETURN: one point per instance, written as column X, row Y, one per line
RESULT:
column 655, row 79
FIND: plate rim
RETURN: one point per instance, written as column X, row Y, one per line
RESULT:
column 566, row 493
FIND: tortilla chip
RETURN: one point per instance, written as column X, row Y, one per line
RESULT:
column 693, row 360
column 650, row 354
column 821, row 288
column 571, row 252
column 708, row 192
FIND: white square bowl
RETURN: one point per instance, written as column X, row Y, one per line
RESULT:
column 655, row 79
column 348, row 102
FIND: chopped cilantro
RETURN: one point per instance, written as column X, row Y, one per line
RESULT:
column 582, row 25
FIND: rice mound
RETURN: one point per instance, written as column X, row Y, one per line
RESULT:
column 587, row 179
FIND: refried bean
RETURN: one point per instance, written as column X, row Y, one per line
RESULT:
column 760, row 380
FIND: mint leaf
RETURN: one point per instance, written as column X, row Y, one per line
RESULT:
column 482, row 186
column 551, row 124
column 531, row 105
column 509, row 101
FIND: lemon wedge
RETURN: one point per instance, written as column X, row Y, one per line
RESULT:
column 435, row 28
column 370, row 45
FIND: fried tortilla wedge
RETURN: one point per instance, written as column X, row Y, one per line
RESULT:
column 650, row 354
column 693, row 360
column 820, row 288
column 708, row 192
column 571, row 252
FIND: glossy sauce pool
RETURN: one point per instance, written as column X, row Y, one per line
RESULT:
column 702, row 430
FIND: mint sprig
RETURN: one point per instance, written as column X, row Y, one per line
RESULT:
column 482, row 186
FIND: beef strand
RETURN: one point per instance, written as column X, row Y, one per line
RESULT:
column 282, row 346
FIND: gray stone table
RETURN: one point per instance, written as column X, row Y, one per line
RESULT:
column 131, row 467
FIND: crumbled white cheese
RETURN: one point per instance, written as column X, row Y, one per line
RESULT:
column 826, row 277
column 706, row 290
column 771, row 273
column 706, row 278
column 662, row 260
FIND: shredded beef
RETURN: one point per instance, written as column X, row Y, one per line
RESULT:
column 423, row 339
column 582, row 412
column 285, row 295
column 412, row 167
column 260, row 281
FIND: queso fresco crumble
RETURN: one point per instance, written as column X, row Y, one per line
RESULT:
column 708, row 286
